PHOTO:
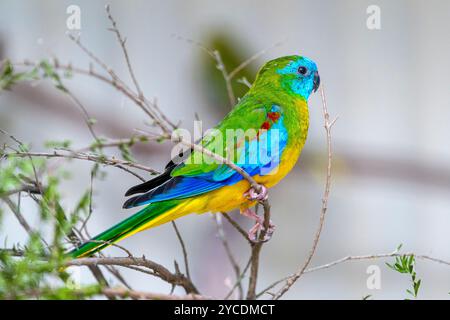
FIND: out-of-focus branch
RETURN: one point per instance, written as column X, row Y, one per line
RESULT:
column 121, row 86
column 13, row 207
column 122, row 164
column 376, row 256
column 239, row 279
column 249, row 60
column 221, row 234
column 124, row 50
column 237, row 227
column 23, row 188
column 97, row 273
column 223, row 69
column 158, row 270
column 141, row 295
column 328, row 265
column 183, row 248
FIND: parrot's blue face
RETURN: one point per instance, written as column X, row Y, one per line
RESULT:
column 300, row 76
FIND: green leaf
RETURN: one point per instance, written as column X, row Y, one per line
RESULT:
column 52, row 144
column 126, row 152
column 50, row 72
column 8, row 76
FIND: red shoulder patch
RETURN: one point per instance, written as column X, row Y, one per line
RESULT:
column 265, row 125
column 274, row 116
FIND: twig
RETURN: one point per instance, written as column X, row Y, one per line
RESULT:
column 94, row 58
column 87, row 117
column 221, row 234
column 140, row 93
column 115, row 81
column 356, row 258
column 24, row 188
column 121, row 85
column 223, row 69
column 376, row 256
column 112, row 143
column 19, row 215
column 239, row 280
column 160, row 271
column 124, row 50
column 88, row 157
column 112, row 244
column 91, row 191
column 183, row 248
column 249, row 60
column 237, row 227
column 98, row 274
column 328, row 125
column 23, row 149
column 141, row 295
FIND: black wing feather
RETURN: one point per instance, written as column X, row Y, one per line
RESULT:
column 159, row 180
column 151, row 184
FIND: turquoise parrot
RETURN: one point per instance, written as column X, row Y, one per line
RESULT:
column 274, row 111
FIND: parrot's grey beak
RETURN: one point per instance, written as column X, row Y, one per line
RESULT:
column 316, row 81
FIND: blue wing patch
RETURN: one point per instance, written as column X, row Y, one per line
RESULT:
column 257, row 156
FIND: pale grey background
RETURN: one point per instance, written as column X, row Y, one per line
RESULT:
column 390, row 88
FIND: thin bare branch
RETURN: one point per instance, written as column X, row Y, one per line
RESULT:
column 24, row 188
column 223, row 69
column 183, row 248
column 239, row 280
column 23, row 222
column 249, row 60
column 327, row 125
column 395, row 253
column 377, row 256
column 87, row 118
column 122, row 42
column 221, row 234
column 237, row 227
column 160, row 271
column 88, row 157
column 121, row 85
column 141, row 295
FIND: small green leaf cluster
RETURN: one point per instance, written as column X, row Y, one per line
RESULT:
column 406, row 264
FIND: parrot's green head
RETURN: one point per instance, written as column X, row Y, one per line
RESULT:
column 295, row 74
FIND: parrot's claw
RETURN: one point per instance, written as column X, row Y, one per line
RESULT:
column 259, row 225
column 252, row 194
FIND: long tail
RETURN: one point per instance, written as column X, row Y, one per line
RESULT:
column 151, row 216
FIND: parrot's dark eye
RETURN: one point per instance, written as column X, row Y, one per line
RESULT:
column 302, row 70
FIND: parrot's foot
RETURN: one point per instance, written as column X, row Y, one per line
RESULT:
column 259, row 225
column 252, row 194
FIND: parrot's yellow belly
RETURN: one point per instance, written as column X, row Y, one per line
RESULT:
column 231, row 197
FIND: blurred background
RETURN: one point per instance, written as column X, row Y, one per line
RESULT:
column 390, row 88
